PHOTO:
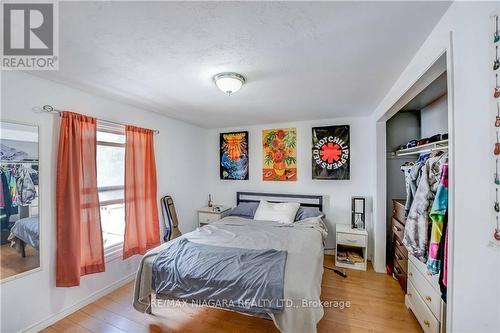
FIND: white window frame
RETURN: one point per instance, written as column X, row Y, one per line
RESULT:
column 114, row 251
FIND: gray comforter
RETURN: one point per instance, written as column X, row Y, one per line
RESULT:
column 26, row 230
column 247, row 280
column 303, row 242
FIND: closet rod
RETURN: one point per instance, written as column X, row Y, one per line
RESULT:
column 423, row 151
column 51, row 109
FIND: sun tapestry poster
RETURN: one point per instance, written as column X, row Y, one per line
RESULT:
column 330, row 152
column 279, row 148
column 234, row 155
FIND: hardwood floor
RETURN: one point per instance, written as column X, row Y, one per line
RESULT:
column 12, row 263
column 376, row 305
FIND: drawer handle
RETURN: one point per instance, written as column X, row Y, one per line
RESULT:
column 351, row 240
column 398, row 257
column 410, row 294
column 397, row 270
column 428, row 298
column 396, row 229
column 410, row 274
column 428, row 273
column 427, row 323
column 398, row 243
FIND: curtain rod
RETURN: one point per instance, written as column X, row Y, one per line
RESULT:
column 51, row 109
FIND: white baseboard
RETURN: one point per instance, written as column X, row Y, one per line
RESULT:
column 37, row 327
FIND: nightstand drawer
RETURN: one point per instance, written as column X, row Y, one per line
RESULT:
column 351, row 239
column 204, row 218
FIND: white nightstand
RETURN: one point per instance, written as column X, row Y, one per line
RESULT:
column 207, row 215
column 355, row 240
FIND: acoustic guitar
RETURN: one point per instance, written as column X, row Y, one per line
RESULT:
column 497, row 176
column 496, row 35
column 496, row 63
column 496, row 151
column 496, row 90
column 497, row 205
column 497, row 121
column 496, row 234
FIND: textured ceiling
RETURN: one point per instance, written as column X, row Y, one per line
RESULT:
column 301, row 60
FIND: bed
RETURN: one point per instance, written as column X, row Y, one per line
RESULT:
column 25, row 231
column 303, row 242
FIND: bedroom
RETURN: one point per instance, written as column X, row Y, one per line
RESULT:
column 354, row 68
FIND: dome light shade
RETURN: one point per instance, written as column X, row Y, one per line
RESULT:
column 229, row 82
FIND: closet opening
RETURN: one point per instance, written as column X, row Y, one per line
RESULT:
column 417, row 213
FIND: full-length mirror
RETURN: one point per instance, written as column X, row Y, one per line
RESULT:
column 19, row 198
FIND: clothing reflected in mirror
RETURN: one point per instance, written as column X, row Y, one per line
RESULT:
column 19, row 199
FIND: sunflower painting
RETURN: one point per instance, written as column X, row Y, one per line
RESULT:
column 234, row 155
column 279, row 147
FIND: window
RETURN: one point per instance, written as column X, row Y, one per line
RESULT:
column 111, row 184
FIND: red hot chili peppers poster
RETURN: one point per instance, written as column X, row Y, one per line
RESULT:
column 330, row 152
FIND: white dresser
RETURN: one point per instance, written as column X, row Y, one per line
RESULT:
column 207, row 215
column 423, row 297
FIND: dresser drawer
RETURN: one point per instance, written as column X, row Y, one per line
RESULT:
column 430, row 296
column 424, row 316
column 398, row 229
column 351, row 239
column 399, row 211
column 401, row 260
column 205, row 218
column 422, row 268
column 400, row 275
column 398, row 245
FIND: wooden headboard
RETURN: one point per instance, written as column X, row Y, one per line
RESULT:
column 304, row 200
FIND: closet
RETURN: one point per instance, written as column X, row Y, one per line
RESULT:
column 417, row 167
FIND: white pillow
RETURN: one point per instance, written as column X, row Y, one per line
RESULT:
column 279, row 212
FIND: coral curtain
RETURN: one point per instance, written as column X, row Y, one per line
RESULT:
column 79, row 235
column 142, row 228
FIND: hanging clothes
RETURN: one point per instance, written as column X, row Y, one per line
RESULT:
column 443, row 257
column 444, row 274
column 437, row 215
column 2, row 201
column 7, row 209
column 416, row 228
column 10, row 175
column 25, row 186
column 412, row 172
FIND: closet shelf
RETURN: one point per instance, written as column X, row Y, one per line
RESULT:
column 428, row 147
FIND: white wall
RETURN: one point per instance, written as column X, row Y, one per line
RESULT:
column 474, row 299
column 339, row 192
column 434, row 117
column 34, row 298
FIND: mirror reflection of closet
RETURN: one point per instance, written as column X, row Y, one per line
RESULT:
column 19, row 199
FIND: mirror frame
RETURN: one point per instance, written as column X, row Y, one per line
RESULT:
column 40, row 208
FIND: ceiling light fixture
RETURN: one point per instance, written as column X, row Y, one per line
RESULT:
column 229, row 82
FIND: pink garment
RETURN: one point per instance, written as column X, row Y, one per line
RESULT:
column 445, row 261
